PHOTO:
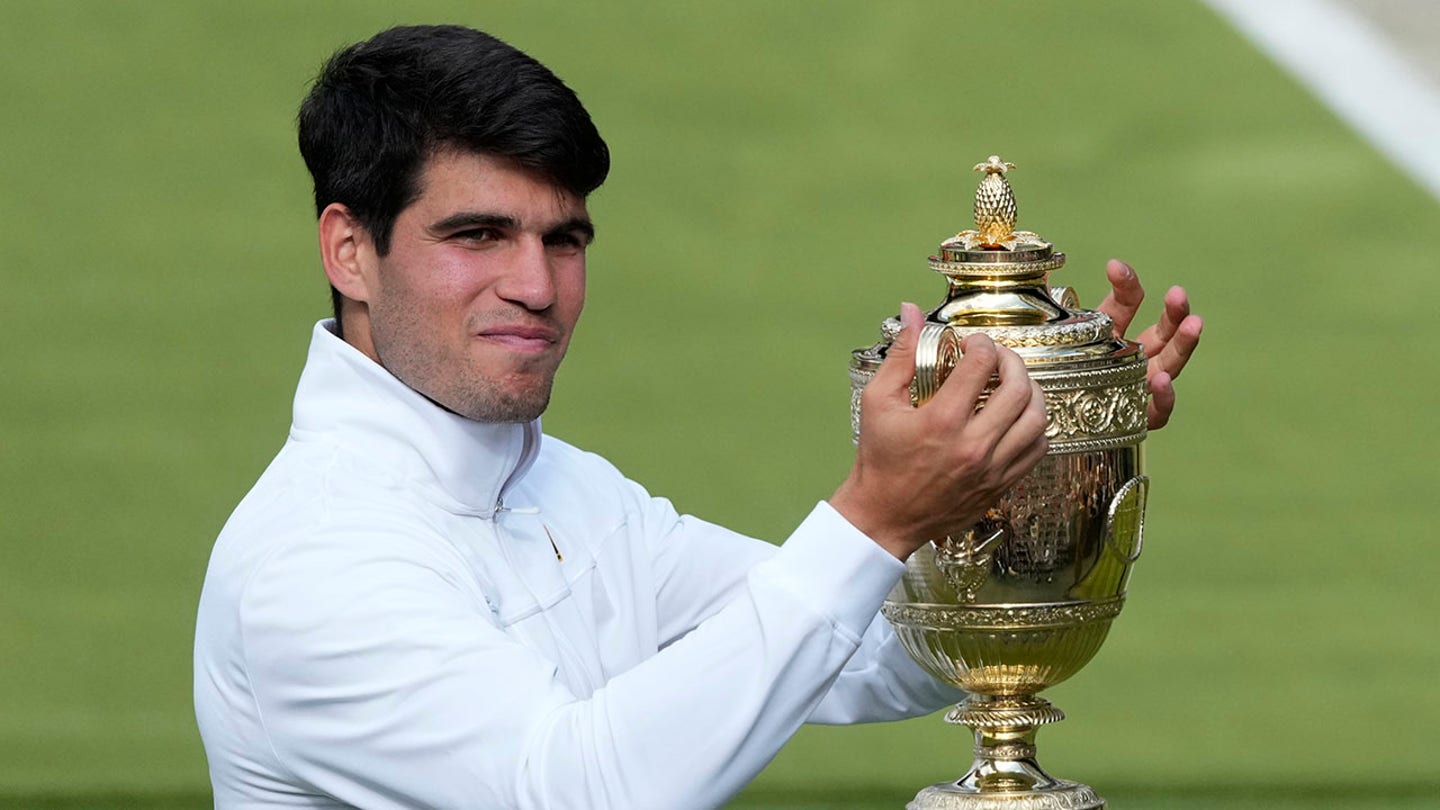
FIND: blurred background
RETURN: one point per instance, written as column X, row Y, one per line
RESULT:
column 781, row 172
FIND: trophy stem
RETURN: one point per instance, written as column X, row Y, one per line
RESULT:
column 1005, row 773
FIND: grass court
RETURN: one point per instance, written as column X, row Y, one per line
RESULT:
column 781, row 171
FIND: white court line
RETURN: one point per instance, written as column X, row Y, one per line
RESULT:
column 1352, row 67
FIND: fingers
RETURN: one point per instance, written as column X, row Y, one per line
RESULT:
column 1009, row 432
column 1024, row 444
column 1125, row 296
column 895, row 373
column 1168, row 344
column 1162, row 401
column 1176, row 352
column 1009, row 398
column 1177, row 308
column 979, row 361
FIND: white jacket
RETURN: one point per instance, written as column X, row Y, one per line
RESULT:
column 387, row 623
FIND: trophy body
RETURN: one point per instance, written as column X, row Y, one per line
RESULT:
column 1024, row 598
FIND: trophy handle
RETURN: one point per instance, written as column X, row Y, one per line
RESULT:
column 1065, row 297
column 935, row 357
column 1126, row 518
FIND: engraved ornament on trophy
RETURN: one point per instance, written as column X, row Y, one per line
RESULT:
column 1024, row 598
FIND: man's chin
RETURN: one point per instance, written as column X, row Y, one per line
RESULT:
column 506, row 409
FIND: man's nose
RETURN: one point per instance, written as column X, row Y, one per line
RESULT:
column 528, row 279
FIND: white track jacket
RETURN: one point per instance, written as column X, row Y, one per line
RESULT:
column 415, row 610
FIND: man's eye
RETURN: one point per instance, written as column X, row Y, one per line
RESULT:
column 566, row 241
column 478, row 235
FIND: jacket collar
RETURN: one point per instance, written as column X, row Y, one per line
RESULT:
column 347, row 399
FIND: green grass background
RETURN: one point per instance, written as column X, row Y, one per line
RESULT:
column 781, row 171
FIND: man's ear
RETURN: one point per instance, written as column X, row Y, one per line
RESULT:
column 347, row 252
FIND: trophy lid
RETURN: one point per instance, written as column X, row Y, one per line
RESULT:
column 998, row 283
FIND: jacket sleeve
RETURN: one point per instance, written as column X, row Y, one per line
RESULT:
column 379, row 683
column 701, row 566
column 881, row 682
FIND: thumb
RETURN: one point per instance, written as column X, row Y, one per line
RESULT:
column 898, row 370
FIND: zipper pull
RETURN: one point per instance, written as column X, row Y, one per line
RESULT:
column 523, row 510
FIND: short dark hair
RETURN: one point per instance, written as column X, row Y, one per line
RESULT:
column 380, row 107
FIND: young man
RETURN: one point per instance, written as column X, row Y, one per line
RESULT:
column 425, row 603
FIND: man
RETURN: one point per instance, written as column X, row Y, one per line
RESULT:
column 425, row 603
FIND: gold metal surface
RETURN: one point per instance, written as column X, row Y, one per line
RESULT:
column 995, row 215
column 1023, row 599
column 936, row 353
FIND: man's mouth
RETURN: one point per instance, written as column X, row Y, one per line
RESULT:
column 522, row 338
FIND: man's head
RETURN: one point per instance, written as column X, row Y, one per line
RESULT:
column 450, row 173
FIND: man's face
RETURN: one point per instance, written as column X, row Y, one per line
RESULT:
column 475, row 303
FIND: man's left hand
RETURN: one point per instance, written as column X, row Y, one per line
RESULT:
column 1168, row 344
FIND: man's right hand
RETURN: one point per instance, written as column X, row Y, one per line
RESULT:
column 922, row 473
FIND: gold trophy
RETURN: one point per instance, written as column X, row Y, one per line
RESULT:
column 1023, row 599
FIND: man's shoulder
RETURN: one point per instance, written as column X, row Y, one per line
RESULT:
column 559, row 456
column 583, row 488
column 562, row 466
column 309, row 505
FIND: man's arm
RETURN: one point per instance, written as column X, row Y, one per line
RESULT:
column 382, row 682
column 700, row 567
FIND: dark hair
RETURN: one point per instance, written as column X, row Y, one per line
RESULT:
column 380, row 107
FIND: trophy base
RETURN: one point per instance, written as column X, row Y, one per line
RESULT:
column 1062, row 795
column 1005, row 775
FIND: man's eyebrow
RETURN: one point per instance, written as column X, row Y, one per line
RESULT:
column 473, row 219
column 573, row 224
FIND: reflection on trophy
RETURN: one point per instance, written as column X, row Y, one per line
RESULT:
column 1023, row 599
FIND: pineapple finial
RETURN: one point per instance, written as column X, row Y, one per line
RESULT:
column 994, row 213
column 994, row 203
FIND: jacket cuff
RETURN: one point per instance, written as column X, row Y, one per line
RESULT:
column 836, row 570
